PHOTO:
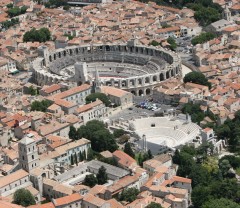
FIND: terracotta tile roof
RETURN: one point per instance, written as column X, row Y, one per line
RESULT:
column 67, row 199
column 124, row 159
column 94, row 200
column 181, row 179
column 47, row 205
column 89, row 106
column 12, row 177
column 113, row 91
column 52, row 88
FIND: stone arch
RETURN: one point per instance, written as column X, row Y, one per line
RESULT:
column 133, row 92
column 76, row 50
column 107, row 48
column 140, row 92
column 70, row 52
column 140, row 81
column 124, row 83
column 154, row 78
column 54, row 56
column 172, row 73
column 132, row 82
column 147, row 80
column 148, row 91
column 64, row 53
column 59, row 54
column 50, row 58
column 167, row 75
column 161, row 77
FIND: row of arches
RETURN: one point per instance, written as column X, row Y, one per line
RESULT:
column 120, row 48
column 141, row 92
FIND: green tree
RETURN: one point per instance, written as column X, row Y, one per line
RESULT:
column 202, row 38
column 154, row 205
column 197, row 78
column 84, row 155
column 101, row 96
column 128, row 150
column 40, row 105
column 90, row 155
column 90, row 180
column 102, row 175
column 172, row 42
column 32, row 91
column 220, row 203
column 73, row 133
column 66, row 7
column 129, row 194
column 75, row 158
column 150, row 156
column 154, row 43
column 23, row 197
column 72, row 160
column 100, row 137
column 80, row 156
column 9, row 6
column 41, row 35
column 118, row 132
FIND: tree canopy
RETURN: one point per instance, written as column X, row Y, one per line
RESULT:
column 41, row 35
column 203, row 37
column 40, row 105
column 197, row 78
column 23, row 197
column 128, row 150
column 129, row 194
column 101, row 96
column 90, row 180
column 154, row 205
column 207, row 183
column 220, row 203
column 172, row 42
column 102, row 177
column 100, row 137
column 15, row 11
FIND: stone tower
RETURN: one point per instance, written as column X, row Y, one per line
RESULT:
column 81, row 75
column 28, row 154
column 226, row 14
column 43, row 52
column 97, row 84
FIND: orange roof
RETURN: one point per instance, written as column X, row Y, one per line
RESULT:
column 181, row 179
column 124, row 159
column 67, row 199
column 168, row 29
column 113, row 91
column 47, row 205
column 12, row 177
column 52, row 88
column 89, row 106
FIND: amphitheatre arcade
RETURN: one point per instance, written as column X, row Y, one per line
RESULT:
column 131, row 67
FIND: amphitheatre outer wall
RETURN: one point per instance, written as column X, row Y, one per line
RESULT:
column 47, row 67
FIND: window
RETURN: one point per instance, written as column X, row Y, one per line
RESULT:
column 33, row 157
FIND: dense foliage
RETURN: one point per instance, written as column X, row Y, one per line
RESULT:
column 102, row 175
column 202, row 38
column 129, row 194
column 40, row 105
column 41, row 35
column 128, row 150
column 230, row 131
column 172, row 42
column 90, row 180
column 9, row 23
column 154, row 205
column 208, row 183
column 54, row 3
column 100, row 137
column 101, row 96
column 118, row 132
column 15, row 11
column 197, row 78
column 194, row 110
column 220, row 203
column 23, row 197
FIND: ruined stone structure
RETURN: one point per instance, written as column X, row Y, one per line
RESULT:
column 131, row 67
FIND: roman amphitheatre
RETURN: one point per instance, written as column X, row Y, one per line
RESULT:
column 131, row 67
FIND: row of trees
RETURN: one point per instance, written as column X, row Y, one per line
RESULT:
column 101, row 138
column 75, row 158
column 9, row 23
column 212, row 180
column 101, row 178
column 203, row 37
column 41, row 35
column 15, row 11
